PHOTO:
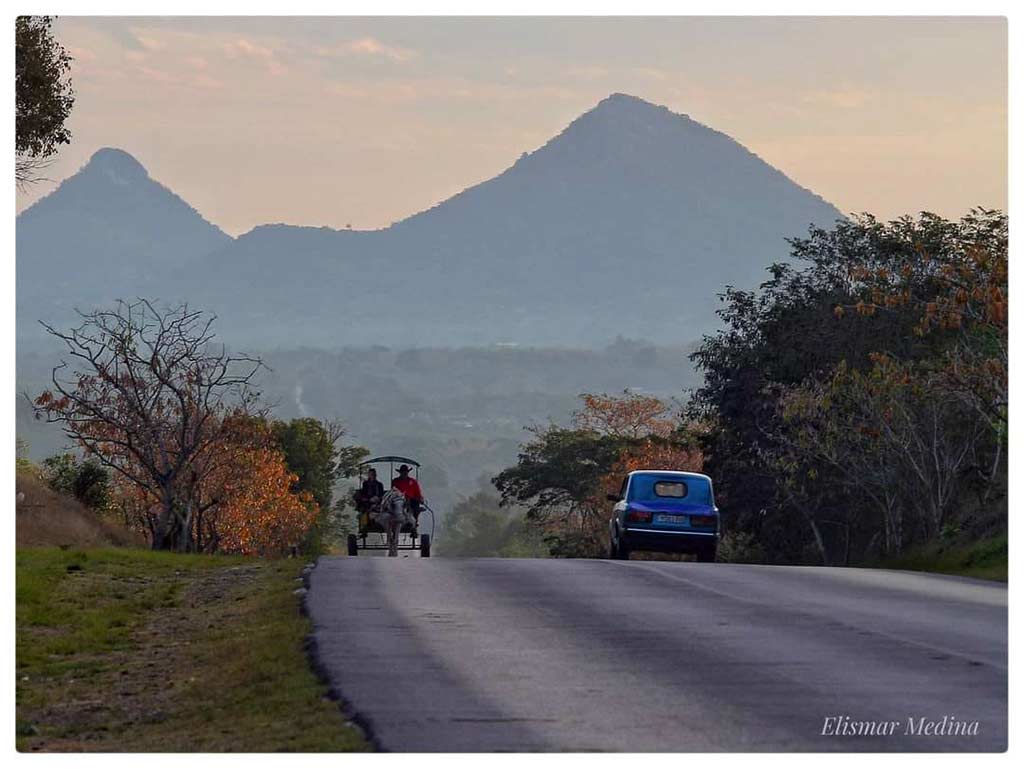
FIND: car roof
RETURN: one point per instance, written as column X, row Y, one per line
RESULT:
column 671, row 473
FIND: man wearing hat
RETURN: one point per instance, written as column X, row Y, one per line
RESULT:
column 410, row 487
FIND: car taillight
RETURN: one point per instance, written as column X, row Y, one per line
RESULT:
column 702, row 520
column 638, row 516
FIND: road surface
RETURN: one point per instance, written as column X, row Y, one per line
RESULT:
column 578, row 655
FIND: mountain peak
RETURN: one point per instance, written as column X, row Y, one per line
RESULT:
column 624, row 104
column 621, row 124
column 626, row 100
column 622, row 130
column 119, row 166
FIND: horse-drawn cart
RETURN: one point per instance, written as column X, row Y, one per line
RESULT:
column 373, row 534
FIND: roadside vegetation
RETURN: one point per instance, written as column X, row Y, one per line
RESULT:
column 129, row 650
column 190, row 644
column 986, row 559
column 853, row 410
column 176, row 442
column 564, row 473
column 479, row 526
column 857, row 403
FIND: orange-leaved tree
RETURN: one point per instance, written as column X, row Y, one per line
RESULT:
column 259, row 514
column 565, row 475
column 654, row 437
column 629, row 415
column 958, row 288
column 239, row 493
column 145, row 390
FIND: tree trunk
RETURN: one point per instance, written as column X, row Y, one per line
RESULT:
column 163, row 531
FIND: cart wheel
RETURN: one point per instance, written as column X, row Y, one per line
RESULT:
column 424, row 546
column 353, row 548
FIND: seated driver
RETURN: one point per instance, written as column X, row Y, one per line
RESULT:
column 371, row 492
column 410, row 487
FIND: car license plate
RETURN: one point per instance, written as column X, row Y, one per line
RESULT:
column 683, row 520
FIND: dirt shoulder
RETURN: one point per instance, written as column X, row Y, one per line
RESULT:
column 127, row 650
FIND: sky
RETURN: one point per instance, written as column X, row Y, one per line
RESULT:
column 363, row 121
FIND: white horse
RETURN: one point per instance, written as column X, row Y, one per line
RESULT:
column 393, row 514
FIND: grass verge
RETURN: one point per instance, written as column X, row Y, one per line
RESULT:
column 129, row 650
column 985, row 559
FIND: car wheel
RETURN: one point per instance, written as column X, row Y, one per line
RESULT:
column 613, row 551
column 622, row 551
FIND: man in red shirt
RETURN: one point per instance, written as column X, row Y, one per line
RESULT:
column 410, row 487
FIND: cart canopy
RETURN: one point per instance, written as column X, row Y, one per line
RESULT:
column 391, row 459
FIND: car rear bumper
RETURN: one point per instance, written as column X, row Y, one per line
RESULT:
column 667, row 540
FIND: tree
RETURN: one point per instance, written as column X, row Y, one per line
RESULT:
column 21, row 461
column 43, row 95
column 555, row 480
column 242, row 495
column 314, row 451
column 629, row 415
column 88, row 481
column 826, row 389
column 958, row 289
column 563, row 474
column 147, row 396
column 311, row 455
column 256, row 507
column 480, row 526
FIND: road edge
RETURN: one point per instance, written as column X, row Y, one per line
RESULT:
column 312, row 650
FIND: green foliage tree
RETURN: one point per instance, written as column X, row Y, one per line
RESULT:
column 555, row 479
column 825, row 388
column 315, row 452
column 310, row 453
column 21, row 461
column 564, row 474
column 43, row 95
column 87, row 481
column 480, row 526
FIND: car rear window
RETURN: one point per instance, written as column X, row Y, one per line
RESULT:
column 669, row 489
column 651, row 488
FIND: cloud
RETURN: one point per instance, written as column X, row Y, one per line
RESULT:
column 148, row 41
column 241, row 48
column 366, row 46
column 159, row 76
column 246, row 48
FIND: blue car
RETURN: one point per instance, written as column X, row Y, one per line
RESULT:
column 666, row 511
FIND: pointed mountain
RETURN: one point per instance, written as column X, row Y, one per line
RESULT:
column 101, row 235
column 628, row 223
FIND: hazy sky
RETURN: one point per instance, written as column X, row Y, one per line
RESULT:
column 364, row 121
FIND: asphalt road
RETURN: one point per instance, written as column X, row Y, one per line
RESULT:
column 573, row 655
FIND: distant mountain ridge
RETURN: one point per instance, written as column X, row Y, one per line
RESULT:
column 627, row 223
column 103, row 233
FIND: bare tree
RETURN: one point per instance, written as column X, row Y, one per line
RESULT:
column 29, row 171
column 146, row 393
